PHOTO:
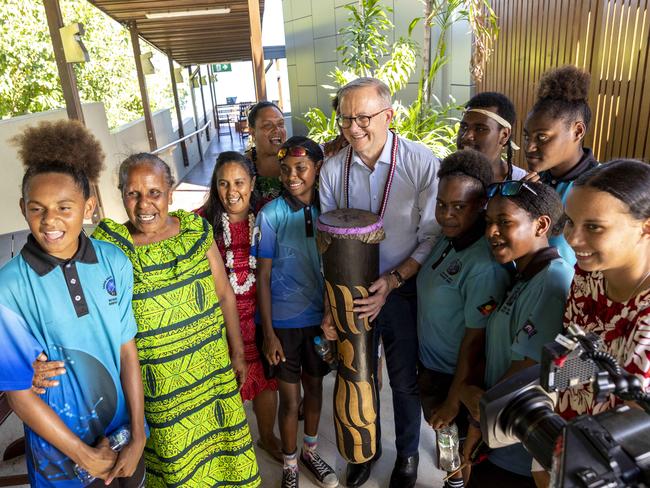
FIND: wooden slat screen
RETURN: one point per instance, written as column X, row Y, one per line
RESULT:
column 608, row 38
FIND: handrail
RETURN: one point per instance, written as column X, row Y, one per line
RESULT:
column 176, row 142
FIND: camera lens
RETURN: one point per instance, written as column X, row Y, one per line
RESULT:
column 531, row 419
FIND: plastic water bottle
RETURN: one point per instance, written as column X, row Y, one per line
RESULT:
column 325, row 350
column 448, row 455
column 117, row 440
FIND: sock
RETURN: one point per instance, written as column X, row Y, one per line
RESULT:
column 455, row 483
column 290, row 460
column 309, row 443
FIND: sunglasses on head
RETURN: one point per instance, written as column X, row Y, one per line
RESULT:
column 508, row 188
column 295, row 151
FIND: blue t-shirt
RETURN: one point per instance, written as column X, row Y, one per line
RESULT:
column 458, row 286
column 529, row 317
column 286, row 234
column 562, row 186
column 77, row 312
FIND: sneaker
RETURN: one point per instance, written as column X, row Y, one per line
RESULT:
column 290, row 477
column 324, row 474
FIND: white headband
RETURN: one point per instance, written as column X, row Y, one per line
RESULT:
column 498, row 119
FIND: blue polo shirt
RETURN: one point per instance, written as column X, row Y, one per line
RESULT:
column 78, row 312
column 458, row 286
column 286, row 234
column 562, row 186
column 529, row 317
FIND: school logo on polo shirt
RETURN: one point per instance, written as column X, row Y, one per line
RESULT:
column 528, row 328
column 453, row 269
column 111, row 289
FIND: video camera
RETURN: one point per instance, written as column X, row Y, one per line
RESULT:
column 611, row 449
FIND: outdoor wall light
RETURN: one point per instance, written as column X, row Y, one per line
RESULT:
column 195, row 82
column 187, row 13
column 178, row 75
column 73, row 46
column 204, row 80
column 147, row 66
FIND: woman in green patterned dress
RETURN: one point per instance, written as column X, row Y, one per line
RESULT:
column 181, row 299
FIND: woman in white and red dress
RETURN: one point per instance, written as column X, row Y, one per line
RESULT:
column 608, row 227
column 229, row 210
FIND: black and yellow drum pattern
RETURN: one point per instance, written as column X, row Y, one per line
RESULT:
column 349, row 240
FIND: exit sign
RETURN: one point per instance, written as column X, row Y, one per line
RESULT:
column 221, row 67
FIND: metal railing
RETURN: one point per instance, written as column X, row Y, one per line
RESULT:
column 172, row 145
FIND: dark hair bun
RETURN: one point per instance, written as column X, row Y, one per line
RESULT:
column 66, row 142
column 567, row 83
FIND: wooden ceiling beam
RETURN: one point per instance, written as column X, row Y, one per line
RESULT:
column 195, row 40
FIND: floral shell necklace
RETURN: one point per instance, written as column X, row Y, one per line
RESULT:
column 230, row 256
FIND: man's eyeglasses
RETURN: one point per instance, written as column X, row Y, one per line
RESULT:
column 296, row 151
column 508, row 188
column 362, row 121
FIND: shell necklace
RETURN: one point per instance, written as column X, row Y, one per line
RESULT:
column 230, row 256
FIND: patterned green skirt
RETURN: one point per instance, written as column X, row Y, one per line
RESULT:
column 199, row 432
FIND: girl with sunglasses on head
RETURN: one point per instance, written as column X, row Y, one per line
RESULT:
column 608, row 227
column 290, row 305
column 458, row 287
column 486, row 127
column 519, row 221
column 229, row 209
column 554, row 132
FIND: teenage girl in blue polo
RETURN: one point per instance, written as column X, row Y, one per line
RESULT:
column 520, row 218
column 290, row 305
column 69, row 297
column 554, row 132
column 458, row 287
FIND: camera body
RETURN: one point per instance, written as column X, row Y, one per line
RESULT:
column 611, row 449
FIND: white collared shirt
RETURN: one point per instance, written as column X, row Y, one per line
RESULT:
column 409, row 220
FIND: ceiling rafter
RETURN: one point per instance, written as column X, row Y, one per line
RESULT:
column 192, row 40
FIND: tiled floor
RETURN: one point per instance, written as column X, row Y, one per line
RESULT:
column 428, row 475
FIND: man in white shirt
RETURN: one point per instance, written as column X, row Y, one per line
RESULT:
column 407, row 204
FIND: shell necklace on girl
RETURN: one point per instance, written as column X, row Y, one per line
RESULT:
column 230, row 256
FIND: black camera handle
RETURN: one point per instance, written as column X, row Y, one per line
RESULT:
column 611, row 378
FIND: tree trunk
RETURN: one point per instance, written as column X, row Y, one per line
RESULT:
column 426, row 50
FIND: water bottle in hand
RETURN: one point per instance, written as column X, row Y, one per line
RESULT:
column 117, row 440
column 325, row 350
column 448, row 455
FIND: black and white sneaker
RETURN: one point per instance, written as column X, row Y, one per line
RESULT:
column 324, row 474
column 290, row 477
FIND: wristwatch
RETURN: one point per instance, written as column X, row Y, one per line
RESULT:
column 398, row 277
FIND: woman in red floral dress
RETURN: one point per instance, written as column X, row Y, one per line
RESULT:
column 608, row 227
column 229, row 210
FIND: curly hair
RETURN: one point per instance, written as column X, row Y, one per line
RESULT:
column 213, row 208
column 563, row 93
column 470, row 164
column 546, row 201
column 627, row 180
column 62, row 146
column 141, row 159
